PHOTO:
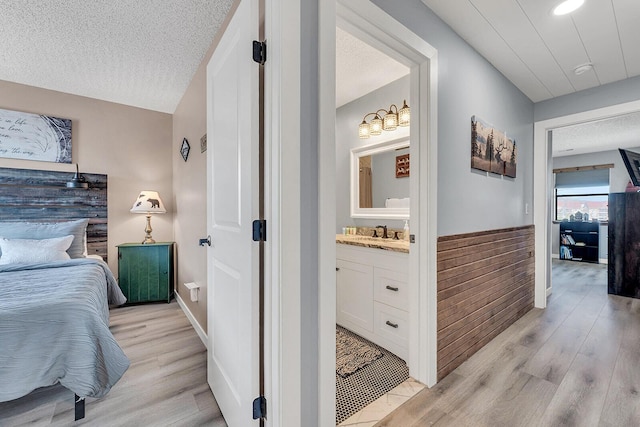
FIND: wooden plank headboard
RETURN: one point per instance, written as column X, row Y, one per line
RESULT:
column 38, row 195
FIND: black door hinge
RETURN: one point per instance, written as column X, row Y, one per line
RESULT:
column 259, row 407
column 260, row 52
column 260, row 230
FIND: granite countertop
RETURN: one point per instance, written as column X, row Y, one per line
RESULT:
column 374, row 242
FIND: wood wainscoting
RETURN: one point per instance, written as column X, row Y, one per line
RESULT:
column 40, row 195
column 485, row 283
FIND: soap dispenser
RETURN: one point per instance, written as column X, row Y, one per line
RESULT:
column 405, row 233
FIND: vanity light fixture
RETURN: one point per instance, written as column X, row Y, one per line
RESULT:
column 389, row 121
column 567, row 6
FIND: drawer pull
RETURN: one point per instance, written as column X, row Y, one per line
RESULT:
column 392, row 288
column 393, row 325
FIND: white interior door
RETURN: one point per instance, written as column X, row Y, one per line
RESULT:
column 232, row 187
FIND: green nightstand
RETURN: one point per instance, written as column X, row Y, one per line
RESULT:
column 145, row 272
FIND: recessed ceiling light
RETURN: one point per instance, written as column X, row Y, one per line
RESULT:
column 567, row 6
column 581, row 69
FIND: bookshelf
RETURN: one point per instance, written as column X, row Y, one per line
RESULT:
column 579, row 241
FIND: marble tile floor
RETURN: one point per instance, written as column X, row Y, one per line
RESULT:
column 384, row 405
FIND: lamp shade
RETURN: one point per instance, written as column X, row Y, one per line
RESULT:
column 364, row 130
column 390, row 121
column 148, row 202
column 376, row 126
column 404, row 115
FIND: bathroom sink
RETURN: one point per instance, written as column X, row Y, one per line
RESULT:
column 360, row 237
column 373, row 242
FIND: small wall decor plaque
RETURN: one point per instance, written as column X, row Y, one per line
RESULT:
column 34, row 137
column 491, row 150
column 402, row 166
column 203, row 143
column 184, row 149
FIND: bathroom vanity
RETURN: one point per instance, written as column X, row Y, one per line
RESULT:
column 373, row 290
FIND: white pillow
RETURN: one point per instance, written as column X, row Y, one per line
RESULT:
column 48, row 230
column 29, row 251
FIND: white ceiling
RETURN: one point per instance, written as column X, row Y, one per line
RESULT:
column 141, row 53
column 538, row 51
column 361, row 68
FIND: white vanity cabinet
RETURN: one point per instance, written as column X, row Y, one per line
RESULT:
column 373, row 295
column 355, row 295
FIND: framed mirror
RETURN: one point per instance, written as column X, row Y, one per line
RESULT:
column 380, row 180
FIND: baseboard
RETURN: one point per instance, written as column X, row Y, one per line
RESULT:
column 192, row 319
column 604, row 260
column 548, row 291
column 556, row 256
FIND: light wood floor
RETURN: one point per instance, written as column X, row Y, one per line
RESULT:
column 576, row 363
column 166, row 384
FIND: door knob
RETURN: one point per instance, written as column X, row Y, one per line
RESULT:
column 206, row 241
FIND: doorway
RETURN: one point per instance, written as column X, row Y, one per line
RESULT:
column 369, row 23
column 371, row 355
column 543, row 187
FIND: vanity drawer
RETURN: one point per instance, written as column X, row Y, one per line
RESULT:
column 391, row 288
column 392, row 325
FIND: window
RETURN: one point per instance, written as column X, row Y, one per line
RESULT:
column 593, row 201
column 582, row 192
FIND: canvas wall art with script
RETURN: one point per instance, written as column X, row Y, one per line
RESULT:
column 34, row 137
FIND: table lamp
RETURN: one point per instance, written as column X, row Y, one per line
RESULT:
column 148, row 202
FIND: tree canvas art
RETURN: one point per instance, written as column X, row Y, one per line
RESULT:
column 491, row 150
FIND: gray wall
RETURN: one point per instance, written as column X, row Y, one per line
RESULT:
column 467, row 84
column 590, row 99
column 618, row 176
column 348, row 117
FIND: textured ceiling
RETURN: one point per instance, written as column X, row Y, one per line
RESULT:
column 141, row 53
column 361, row 68
column 538, row 51
column 601, row 135
column 144, row 53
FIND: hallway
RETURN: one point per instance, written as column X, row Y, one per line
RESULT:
column 574, row 363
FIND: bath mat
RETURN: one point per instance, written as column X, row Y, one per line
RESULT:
column 353, row 353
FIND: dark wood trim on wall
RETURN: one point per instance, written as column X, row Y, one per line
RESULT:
column 485, row 283
column 39, row 195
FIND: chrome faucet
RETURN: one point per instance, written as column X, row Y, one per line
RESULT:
column 384, row 228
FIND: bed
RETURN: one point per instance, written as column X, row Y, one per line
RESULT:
column 54, row 327
column 55, row 287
